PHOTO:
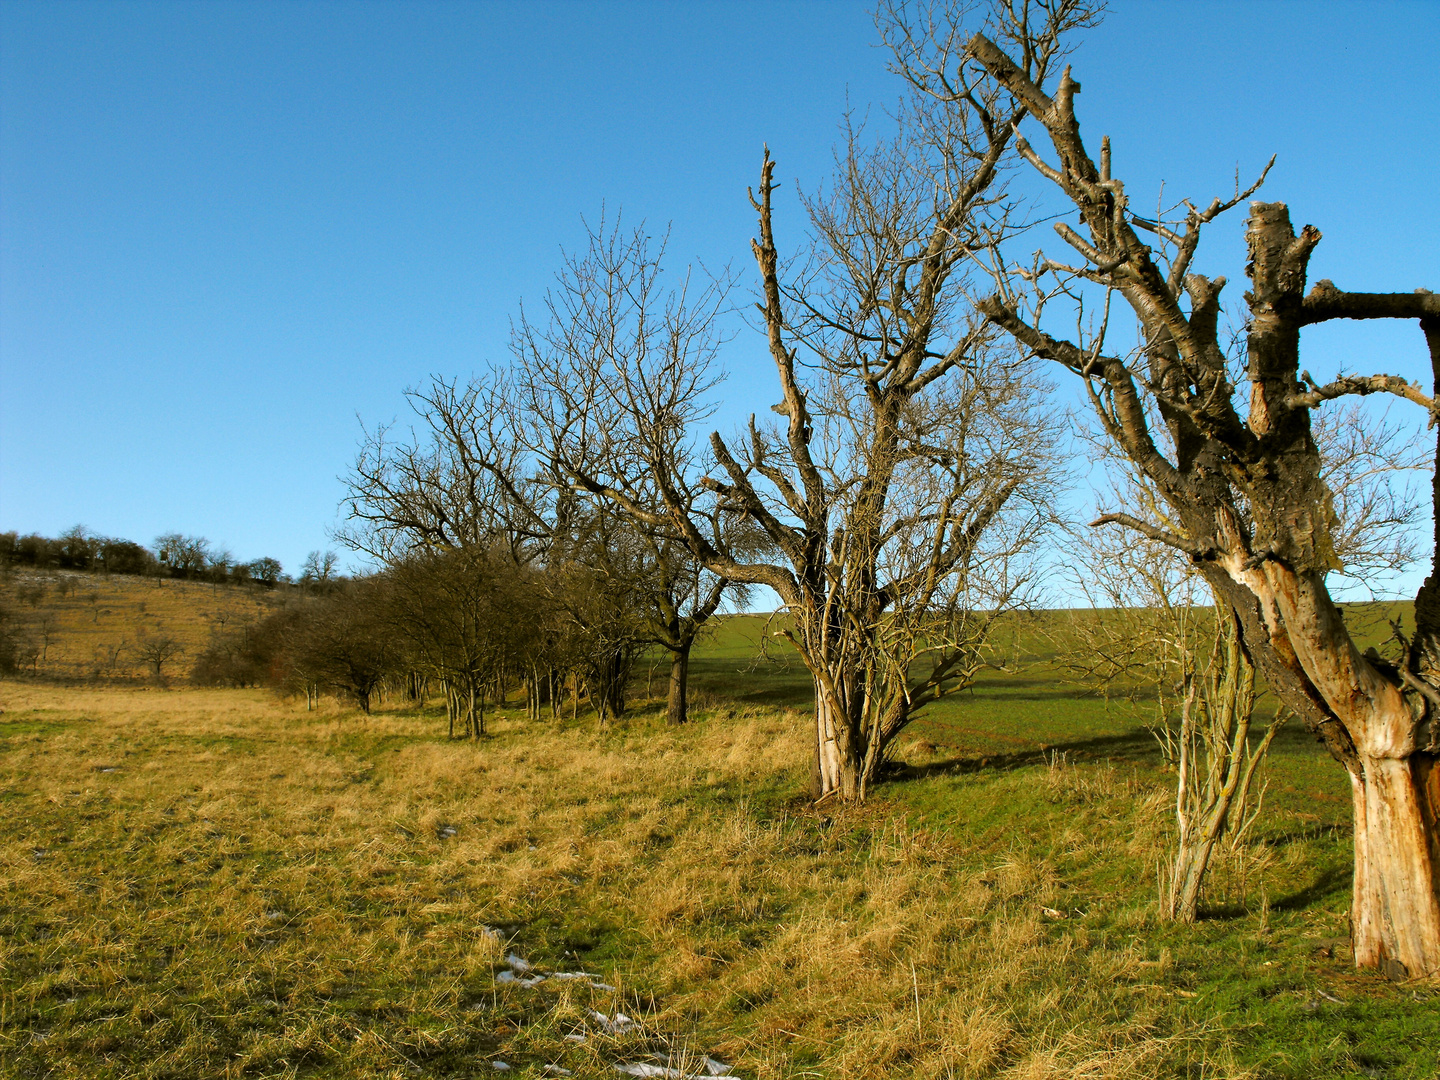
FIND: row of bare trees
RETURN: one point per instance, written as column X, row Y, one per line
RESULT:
column 893, row 499
column 465, row 625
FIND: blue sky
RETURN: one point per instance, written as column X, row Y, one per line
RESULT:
column 228, row 230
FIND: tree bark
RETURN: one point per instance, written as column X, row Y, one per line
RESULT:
column 836, row 771
column 677, row 708
column 1395, row 917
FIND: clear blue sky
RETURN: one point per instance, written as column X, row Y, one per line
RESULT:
column 227, row 229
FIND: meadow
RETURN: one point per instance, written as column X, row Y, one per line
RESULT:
column 220, row 883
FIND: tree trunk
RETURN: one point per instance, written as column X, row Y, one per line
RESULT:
column 1395, row 913
column 842, row 767
column 677, row 709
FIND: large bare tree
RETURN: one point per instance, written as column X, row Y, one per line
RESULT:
column 904, row 484
column 1242, row 491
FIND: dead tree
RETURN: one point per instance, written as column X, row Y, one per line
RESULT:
column 1243, row 490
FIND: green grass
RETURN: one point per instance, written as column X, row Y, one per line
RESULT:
column 259, row 891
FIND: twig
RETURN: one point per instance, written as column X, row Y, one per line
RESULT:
column 915, row 981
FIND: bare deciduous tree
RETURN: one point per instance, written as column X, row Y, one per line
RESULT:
column 465, row 617
column 905, row 479
column 483, row 476
column 1157, row 627
column 158, row 651
column 184, row 556
column 1244, row 488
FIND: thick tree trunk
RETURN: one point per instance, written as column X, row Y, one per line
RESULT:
column 677, row 707
column 1395, row 914
column 835, row 771
column 845, row 761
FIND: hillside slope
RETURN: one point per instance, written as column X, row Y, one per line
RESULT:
column 102, row 625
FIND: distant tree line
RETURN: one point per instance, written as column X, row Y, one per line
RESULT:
column 173, row 555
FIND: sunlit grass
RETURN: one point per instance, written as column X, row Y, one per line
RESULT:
column 211, row 883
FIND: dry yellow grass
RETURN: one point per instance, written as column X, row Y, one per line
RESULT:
column 211, row 883
column 94, row 625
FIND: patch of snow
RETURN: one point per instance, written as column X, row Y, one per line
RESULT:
column 615, row 1025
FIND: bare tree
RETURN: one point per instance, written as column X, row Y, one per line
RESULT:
column 1157, row 628
column 467, row 617
column 342, row 641
column 184, row 556
column 266, row 571
column 906, row 479
column 1243, row 491
column 319, row 569
column 158, row 651
column 462, row 481
column 1154, row 631
column 481, row 477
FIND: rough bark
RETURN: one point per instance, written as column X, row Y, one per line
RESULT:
column 678, row 701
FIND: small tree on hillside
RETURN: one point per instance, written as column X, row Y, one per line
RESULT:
column 184, row 556
column 157, row 651
column 76, row 548
column 319, row 569
column 266, row 571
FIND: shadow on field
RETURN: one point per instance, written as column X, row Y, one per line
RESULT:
column 1024, row 690
column 1336, row 879
column 1132, row 746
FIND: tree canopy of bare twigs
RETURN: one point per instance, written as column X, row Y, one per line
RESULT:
column 483, row 475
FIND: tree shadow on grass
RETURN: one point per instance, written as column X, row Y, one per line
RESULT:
column 1131, row 746
column 1328, row 884
column 1334, row 880
column 1311, row 832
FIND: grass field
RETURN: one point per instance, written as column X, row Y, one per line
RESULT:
column 216, row 883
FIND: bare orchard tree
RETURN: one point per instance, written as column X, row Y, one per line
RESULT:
column 342, row 641
column 905, row 480
column 466, row 617
column 461, row 481
column 158, row 651
column 1243, row 492
column 657, row 592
